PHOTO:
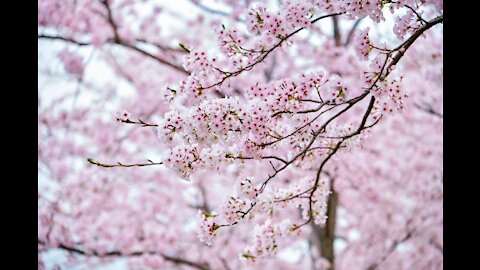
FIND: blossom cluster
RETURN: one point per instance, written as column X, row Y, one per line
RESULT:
column 286, row 94
column 406, row 24
column 336, row 89
column 123, row 115
column 242, row 52
column 217, row 124
column 354, row 8
column 336, row 131
column 208, row 229
column 198, row 62
column 183, row 159
column 318, row 210
column 388, row 91
column 271, row 26
column 362, row 43
column 209, row 122
column 234, row 208
column 248, row 189
column 204, row 74
column 237, row 205
column 229, row 41
column 171, row 123
column 299, row 194
column 266, row 240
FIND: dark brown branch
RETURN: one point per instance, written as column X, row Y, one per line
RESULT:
column 121, row 43
column 277, row 171
column 263, row 157
column 335, row 149
column 298, row 195
column 119, row 164
column 311, row 100
column 428, row 109
column 312, row 140
column 326, row 235
column 416, row 13
column 301, row 112
column 128, row 45
column 79, row 43
column 404, row 46
column 336, row 32
column 298, row 129
column 110, row 21
column 139, row 122
column 176, row 260
column 364, row 119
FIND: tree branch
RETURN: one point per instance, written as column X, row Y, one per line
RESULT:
column 404, row 46
column 119, row 164
column 139, row 122
column 128, row 45
column 121, row 43
column 110, row 21
column 70, row 40
column 173, row 259
column 428, row 109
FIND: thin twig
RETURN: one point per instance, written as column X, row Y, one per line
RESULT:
column 119, row 164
